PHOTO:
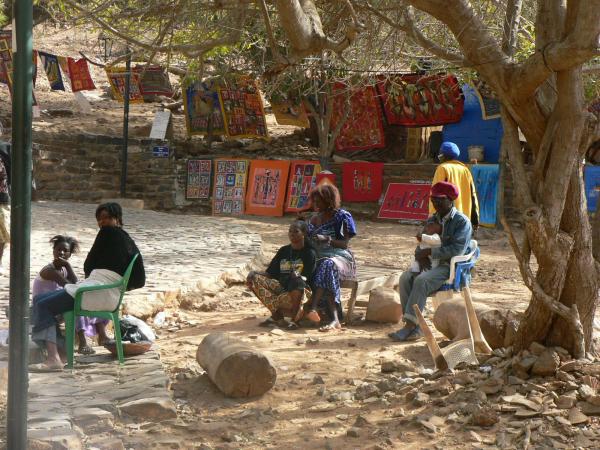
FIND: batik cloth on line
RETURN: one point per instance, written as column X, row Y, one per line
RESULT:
column 334, row 264
column 271, row 294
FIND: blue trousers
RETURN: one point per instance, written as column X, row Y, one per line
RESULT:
column 47, row 306
column 416, row 287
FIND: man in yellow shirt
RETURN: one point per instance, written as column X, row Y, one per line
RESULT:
column 453, row 171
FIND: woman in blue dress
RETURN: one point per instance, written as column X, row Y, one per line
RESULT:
column 331, row 229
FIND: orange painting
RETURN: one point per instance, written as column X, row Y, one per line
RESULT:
column 267, row 182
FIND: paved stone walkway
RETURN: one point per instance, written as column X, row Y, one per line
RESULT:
column 86, row 407
column 180, row 252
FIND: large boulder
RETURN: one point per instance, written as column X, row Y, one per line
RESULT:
column 384, row 306
column 450, row 319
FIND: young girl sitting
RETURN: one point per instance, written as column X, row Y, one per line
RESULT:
column 54, row 276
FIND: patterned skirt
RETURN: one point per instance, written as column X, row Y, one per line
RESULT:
column 271, row 294
column 330, row 271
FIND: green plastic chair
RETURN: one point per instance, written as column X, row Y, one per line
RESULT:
column 69, row 316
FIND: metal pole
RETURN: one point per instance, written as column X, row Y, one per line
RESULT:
column 16, row 420
column 125, row 125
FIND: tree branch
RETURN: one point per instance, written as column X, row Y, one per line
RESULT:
column 191, row 50
column 511, row 26
column 408, row 26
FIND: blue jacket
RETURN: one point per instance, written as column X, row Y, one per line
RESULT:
column 456, row 236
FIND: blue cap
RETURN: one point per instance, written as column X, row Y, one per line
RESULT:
column 450, row 150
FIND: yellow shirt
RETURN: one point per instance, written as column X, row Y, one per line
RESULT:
column 459, row 175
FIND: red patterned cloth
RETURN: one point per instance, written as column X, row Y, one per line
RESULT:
column 79, row 72
column 417, row 100
column 362, row 181
column 363, row 129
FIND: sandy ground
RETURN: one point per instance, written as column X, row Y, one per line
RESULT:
column 283, row 417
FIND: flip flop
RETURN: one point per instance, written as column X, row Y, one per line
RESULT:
column 329, row 327
column 43, row 368
column 87, row 350
column 270, row 322
column 293, row 326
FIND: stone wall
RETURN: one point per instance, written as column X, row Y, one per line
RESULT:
column 87, row 167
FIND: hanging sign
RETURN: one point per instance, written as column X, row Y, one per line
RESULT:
column 160, row 151
column 160, row 125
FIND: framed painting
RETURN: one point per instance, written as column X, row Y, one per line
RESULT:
column 302, row 179
column 406, row 201
column 229, row 186
column 267, row 182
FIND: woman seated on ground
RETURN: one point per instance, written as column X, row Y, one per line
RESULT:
column 106, row 263
column 285, row 283
column 331, row 230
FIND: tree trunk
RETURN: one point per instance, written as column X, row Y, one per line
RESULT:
column 237, row 370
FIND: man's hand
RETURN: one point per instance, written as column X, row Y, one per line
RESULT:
column 422, row 253
column 60, row 262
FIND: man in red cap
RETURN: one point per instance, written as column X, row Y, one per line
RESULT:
column 456, row 236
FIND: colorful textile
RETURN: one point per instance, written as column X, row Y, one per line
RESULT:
column 154, row 80
column 406, row 201
column 591, row 176
column 363, row 129
column 63, row 62
column 417, row 101
column 52, row 69
column 271, row 294
column 490, row 105
column 266, row 187
column 117, row 77
column 362, row 181
column 79, row 72
column 486, row 177
column 242, row 109
column 288, row 113
column 6, row 57
column 203, row 108
column 198, row 178
column 303, row 178
column 229, row 186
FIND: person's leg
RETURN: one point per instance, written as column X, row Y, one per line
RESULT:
column 333, row 314
column 414, row 289
column 326, row 281
column 101, row 330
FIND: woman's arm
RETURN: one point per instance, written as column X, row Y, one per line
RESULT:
column 50, row 273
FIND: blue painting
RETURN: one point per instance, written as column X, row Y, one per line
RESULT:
column 591, row 175
column 486, row 177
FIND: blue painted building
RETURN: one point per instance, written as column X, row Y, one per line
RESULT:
column 473, row 130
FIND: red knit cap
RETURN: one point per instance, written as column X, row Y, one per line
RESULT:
column 444, row 189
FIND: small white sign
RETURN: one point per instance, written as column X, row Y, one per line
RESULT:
column 160, row 125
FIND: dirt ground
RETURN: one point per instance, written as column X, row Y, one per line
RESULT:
column 312, row 366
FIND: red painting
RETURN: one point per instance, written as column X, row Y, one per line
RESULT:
column 81, row 80
column 405, row 201
column 419, row 101
column 362, row 181
column 363, row 129
column 267, row 182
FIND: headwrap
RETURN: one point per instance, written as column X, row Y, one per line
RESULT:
column 450, row 150
column 444, row 189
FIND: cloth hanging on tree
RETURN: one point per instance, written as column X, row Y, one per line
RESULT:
column 419, row 101
column 52, row 69
column 117, row 77
column 79, row 72
column 202, row 108
column 486, row 178
column 242, row 108
column 363, row 129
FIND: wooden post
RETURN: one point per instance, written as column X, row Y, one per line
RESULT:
column 236, row 369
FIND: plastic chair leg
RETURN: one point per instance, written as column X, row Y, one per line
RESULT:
column 118, row 342
column 436, row 353
column 479, row 342
column 69, row 317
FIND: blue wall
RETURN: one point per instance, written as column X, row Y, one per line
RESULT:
column 473, row 130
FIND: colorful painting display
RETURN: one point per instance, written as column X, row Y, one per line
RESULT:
column 303, row 177
column 405, row 201
column 154, row 80
column 486, row 177
column 117, row 79
column 362, row 181
column 229, row 186
column 591, row 176
column 287, row 113
column 489, row 103
column 242, row 109
column 202, row 108
column 79, row 72
column 267, row 182
column 52, row 69
column 418, row 101
column 363, row 129
column 198, row 178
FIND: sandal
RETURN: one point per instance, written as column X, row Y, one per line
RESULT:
column 87, row 350
column 270, row 322
column 293, row 326
column 43, row 368
column 330, row 327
